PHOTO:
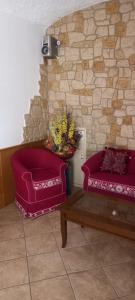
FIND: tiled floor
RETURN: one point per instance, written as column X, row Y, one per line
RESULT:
column 33, row 266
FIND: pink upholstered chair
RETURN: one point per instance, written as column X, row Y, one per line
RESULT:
column 40, row 181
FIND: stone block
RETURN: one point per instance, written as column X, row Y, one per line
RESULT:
column 117, row 104
column 120, row 29
column 107, row 93
column 87, row 77
column 131, row 144
column 84, row 110
column 96, row 113
column 112, row 7
column 107, row 111
column 130, row 94
column 127, row 120
column 100, row 82
column 130, row 28
column 121, row 141
column 127, row 131
column 87, row 53
column 111, row 30
column 75, row 37
column 109, row 63
column 100, row 138
column 82, row 92
column 113, row 72
column 131, row 110
column 100, row 14
column 72, row 99
column 123, row 63
column 64, row 39
column 102, row 31
column 98, row 47
column 119, row 54
column 71, row 54
column 71, row 75
column 64, row 86
column 127, row 42
column 119, row 113
column 78, row 76
column 128, row 52
column 123, row 83
column 86, row 100
column 77, row 84
column 54, row 85
column 89, row 26
column 126, row 7
column 115, row 18
column 109, row 42
column 70, row 26
column 98, row 66
column 132, row 61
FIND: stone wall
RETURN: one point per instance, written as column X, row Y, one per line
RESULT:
column 36, row 122
column 94, row 76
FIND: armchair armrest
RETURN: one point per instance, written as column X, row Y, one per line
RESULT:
column 93, row 163
column 20, row 170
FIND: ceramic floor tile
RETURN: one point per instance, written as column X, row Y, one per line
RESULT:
column 122, row 278
column 127, row 243
column 12, row 249
column 79, row 258
column 16, row 293
column 52, row 289
column 13, row 272
column 112, row 252
column 8, row 232
column 75, row 238
column 131, row 297
column 55, row 220
column 37, row 226
column 45, row 266
column 93, row 235
column 92, row 285
column 41, row 244
column 9, row 217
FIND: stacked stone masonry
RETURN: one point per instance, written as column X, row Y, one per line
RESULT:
column 36, row 122
column 94, row 75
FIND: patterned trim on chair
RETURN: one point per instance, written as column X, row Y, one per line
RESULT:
column 38, row 213
column 119, row 188
column 47, row 183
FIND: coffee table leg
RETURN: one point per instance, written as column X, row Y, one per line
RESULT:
column 63, row 230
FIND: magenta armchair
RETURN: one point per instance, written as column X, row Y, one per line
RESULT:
column 110, row 183
column 40, row 181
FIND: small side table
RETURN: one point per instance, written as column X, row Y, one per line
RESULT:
column 69, row 171
column 69, row 177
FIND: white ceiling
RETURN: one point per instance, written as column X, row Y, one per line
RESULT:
column 44, row 12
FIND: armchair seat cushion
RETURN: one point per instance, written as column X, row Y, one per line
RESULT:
column 42, row 174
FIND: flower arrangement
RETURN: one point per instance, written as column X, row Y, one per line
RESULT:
column 64, row 138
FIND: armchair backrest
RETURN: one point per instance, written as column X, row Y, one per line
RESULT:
column 36, row 158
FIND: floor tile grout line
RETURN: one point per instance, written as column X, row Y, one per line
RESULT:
column 65, row 267
column 13, row 286
column 110, row 282
column 27, row 264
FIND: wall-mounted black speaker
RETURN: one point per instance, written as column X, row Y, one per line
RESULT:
column 50, row 47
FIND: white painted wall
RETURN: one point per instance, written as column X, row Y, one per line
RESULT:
column 20, row 56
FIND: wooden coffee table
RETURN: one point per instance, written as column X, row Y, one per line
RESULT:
column 100, row 212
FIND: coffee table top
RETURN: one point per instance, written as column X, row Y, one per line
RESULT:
column 103, row 209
